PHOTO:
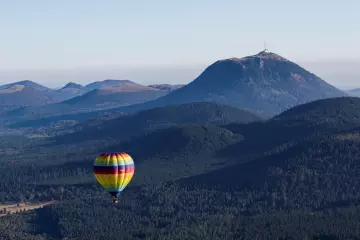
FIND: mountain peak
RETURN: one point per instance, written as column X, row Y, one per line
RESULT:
column 114, row 81
column 26, row 83
column 72, row 85
column 265, row 83
column 265, row 54
column 107, row 83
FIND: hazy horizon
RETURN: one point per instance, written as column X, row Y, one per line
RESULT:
column 337, row 74
column 53, row 43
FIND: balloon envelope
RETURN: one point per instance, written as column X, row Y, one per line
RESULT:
column 114, row 171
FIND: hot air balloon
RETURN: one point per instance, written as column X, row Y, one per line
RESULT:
column 114, row 171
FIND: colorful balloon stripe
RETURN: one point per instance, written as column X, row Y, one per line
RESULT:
column 113, row 169
column 113, row 159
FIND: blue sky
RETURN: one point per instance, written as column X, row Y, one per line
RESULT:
column 53, row 42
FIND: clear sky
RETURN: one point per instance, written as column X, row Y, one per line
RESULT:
column 53, row 42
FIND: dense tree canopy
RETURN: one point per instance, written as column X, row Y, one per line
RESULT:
column 265, row 180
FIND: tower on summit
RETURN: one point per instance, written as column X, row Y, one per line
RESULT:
column 265, row 49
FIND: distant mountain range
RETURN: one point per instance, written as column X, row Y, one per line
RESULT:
column 126, row 93
column 70, row 90
column 265, row 84
column 29, row 93
column 38, row 99
column 111, row 93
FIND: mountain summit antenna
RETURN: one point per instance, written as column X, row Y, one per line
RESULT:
column 265, row 49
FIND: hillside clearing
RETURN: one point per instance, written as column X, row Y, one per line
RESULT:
column 6, row 209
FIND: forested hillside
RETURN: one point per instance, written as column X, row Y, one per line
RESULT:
column 290, row 177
